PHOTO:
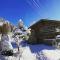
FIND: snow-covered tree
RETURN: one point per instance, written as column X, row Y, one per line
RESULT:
column 6, row 46
column 20, row 23
column 21, row 32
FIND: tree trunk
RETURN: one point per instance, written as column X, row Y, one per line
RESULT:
column 18, row 48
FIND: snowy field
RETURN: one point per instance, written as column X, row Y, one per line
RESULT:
column 33, row 52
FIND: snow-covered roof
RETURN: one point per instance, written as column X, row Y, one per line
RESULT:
column 43, row 20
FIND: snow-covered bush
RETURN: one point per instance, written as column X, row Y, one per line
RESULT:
column 6, row 47
column 26, row 35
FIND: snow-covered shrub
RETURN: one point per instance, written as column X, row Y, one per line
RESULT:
column 26, row 35
column 6, row 46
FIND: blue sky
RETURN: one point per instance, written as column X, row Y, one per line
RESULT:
column 29, row 10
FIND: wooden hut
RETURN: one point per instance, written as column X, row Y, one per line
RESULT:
column 44, row 29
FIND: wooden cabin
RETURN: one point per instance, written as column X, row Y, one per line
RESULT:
column 44, row 29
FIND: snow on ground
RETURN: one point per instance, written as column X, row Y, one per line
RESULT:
column 27, row 54
column 33, row 52
column 50, row 54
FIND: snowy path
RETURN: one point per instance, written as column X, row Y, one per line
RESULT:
column 33, row 52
